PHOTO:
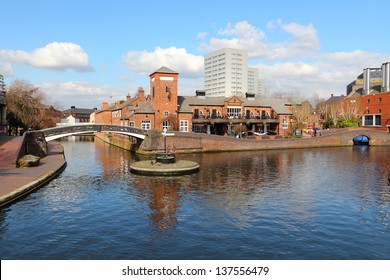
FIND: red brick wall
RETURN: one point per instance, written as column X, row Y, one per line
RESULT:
column 163, row 95
column 379, row 104
column 186, row 117
column 103, row 117
column 200, row 142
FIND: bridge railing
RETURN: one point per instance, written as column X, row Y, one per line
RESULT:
column 120, row 128
column 91, row 128
column 70, row 129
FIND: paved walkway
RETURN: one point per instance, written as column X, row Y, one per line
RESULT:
column 16, row 182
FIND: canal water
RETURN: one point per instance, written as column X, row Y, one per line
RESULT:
column 328, row 203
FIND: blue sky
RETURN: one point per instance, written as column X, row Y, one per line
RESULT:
column 84, row 52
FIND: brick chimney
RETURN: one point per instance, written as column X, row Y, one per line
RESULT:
column 117, row 104
column 141, row 94
column 105, row 105
column 128, row 97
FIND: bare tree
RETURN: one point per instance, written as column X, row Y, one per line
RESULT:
column 25, row 105
column 334, row 112
column 351, row 110
column 301, row 113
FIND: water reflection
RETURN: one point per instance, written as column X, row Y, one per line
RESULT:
column 288, row 204
column 239, row 183
column 163, row 200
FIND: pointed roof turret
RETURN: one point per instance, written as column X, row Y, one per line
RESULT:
column 164, row 70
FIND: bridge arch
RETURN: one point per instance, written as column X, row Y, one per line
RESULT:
column 361, row 139
column 63, row 131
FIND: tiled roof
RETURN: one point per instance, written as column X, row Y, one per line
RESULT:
column 185, row 103
column 121, row 106
column 165, row 70
column 145, row 108
column 78, row 111
column 335, row 99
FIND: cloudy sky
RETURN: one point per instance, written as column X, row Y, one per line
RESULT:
column 84, row 52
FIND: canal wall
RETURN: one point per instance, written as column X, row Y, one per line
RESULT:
column 119, row 140
column 184, row 142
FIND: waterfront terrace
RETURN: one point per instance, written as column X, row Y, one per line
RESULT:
column 165, row 108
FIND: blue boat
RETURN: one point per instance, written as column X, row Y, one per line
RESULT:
column 361, row 140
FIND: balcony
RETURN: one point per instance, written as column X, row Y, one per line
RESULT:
column 235, row 118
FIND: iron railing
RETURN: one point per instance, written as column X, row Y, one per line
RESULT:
column 91, row 128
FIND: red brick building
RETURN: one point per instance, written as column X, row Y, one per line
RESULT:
column 164, row 108
column 375, row 110
column 81, row 114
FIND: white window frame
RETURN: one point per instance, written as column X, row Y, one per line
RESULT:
column 184, row 126
column 234, row 111
column 374, row 123
column 145, row 124
column 285, row 123
column 166, row 125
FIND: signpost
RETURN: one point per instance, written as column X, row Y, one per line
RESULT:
column 165, row 134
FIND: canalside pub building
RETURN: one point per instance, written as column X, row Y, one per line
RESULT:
column 164, row 108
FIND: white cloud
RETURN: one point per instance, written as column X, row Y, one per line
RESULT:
column 329, row 73
column 56, row 56
column 178, row 59
column 243, row 35
column 289, row 57
column 202, row 35
column 80, row 94
column 6, row 69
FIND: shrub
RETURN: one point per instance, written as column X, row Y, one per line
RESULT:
column 327, row 124
column 348, row 123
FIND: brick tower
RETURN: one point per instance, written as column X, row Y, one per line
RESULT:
column 163, row 97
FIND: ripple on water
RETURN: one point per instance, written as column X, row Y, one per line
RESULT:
column 299, row 204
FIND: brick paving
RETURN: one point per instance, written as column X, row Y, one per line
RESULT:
column 15, row 182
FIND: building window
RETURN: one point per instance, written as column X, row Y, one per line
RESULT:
column 234, row 112
column 132, row 124
column 198, row 128
column 285, row 123
column 184, row 126
column 145, row 124
column 196, row 113
column 166, row 125
column 166, row 113
column 368, row 101
column 372, row 120
column 380, row 100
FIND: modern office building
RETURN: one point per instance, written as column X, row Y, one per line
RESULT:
column 226, row 73
column 263, row 90
column 372, row 80
column 253, row 80
column 371, row 91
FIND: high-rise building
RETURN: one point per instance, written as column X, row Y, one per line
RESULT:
column 263, row 90
column 253, row 80
column 226, row 73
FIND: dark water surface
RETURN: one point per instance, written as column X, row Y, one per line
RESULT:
column 330, row 203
